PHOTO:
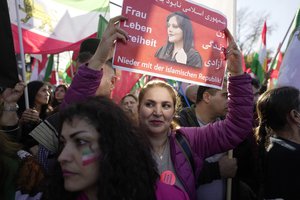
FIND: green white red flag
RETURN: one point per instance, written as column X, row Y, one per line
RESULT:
column 259, row 62
column 52, row 26
column 43, row 68
column 275, row 66
column 290, row 68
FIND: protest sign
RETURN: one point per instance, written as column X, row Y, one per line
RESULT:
column 177, row 40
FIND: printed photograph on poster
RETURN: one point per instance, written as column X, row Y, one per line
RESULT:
column 179, row 40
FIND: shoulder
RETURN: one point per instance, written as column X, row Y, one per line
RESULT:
column 160, row 51
column 194, row 58
column 193, row 51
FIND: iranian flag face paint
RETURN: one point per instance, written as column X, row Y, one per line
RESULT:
column 89, row 156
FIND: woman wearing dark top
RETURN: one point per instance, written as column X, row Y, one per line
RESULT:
column 279, row 141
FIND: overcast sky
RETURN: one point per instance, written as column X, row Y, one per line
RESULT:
column 281, row 14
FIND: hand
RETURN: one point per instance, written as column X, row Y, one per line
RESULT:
column 30, row 115
column 227, row 166
column 12, row 95
column 34, row 150
column 233, row 56
column 111, row 34
column 181, row 56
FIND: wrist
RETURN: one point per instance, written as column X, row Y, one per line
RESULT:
column 8, row 118
column 95, row 64
column 235, row 73
column 9, row 107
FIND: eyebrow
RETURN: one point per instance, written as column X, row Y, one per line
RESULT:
column 74, row 134
column 149, row 100
column 153, row 101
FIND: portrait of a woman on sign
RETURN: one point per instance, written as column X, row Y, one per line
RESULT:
column 180, row 43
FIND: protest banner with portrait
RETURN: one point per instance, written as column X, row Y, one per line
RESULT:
column 173, row 39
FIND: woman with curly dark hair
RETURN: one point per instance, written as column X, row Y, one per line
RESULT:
column 104, row 157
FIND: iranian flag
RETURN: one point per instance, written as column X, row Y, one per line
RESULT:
column 124, row 84
column 42, row 67
column 275, row 66
column 53, row 26
column 289, row 72
column 259, row 62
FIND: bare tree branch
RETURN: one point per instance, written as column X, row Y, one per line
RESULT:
column 249, row 27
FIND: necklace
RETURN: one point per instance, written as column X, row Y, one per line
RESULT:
column 159, row 154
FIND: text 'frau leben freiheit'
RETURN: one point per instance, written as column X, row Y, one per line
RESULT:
column 137, row 26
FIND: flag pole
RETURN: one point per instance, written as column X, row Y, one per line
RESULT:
column 22, row 53
column 268, row 73
column 280, row 45
column 230, row 152
column 57, row 70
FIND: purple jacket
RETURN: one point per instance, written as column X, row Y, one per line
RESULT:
column 169, row 192
column 216, row 137
column 163, row 192
column 85, row 84
column 204, row 141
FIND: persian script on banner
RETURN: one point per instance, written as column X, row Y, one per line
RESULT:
column 177, row 40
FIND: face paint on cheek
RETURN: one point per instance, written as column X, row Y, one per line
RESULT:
column 89, row 156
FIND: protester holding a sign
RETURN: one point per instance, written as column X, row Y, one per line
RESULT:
column 91, row 132
column 157, row 109
column 158, row 104
column 180, row 44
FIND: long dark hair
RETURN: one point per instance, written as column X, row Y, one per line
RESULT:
column 55, row 102
column 273, row 108
column 127, row 169
column 185, row 25
column 33, row 88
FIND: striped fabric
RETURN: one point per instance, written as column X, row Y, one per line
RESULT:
column 46, row 133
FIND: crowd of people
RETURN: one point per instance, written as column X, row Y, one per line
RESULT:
column 76, row 143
